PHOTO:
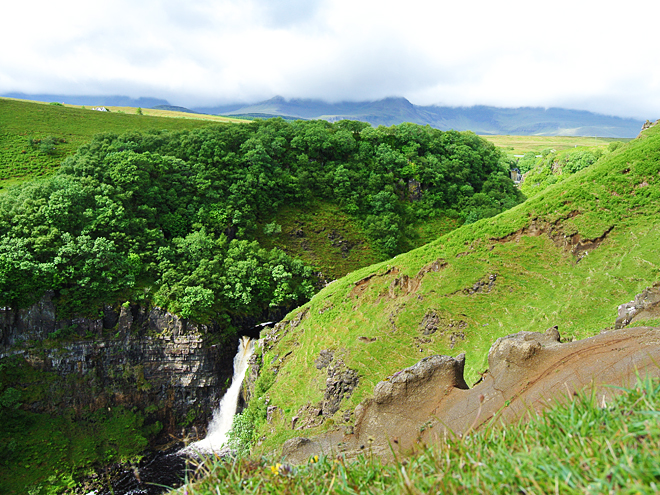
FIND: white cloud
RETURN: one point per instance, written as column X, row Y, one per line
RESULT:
column 576, row 53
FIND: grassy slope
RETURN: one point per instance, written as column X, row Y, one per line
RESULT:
column 539, row 284
column 551, row 168
column 21, row 120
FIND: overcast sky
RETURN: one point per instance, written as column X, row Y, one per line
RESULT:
column 591, row 55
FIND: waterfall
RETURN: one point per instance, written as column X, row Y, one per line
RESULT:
column 223, row 416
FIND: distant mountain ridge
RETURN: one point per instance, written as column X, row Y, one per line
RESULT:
column 99, row 100
column 481, row 119
column 173, row 108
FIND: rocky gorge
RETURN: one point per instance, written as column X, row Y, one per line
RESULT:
column 171, row 370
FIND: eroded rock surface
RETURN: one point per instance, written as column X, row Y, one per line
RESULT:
column 528, row 371
column 339, row 385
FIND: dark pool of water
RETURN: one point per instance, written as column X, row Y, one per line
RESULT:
column 157, row 472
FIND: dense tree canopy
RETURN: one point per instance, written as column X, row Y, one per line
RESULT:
column 171, row 216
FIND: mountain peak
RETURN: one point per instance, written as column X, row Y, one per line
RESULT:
column 397, row 100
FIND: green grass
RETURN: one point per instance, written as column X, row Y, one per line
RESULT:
column 576, row 447
column 539, row 284
column 22, row 120
column 519, row 145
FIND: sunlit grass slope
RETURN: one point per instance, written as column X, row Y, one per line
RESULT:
column 499, row 276
column 21, row 121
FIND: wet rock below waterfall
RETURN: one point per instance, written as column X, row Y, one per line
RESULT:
column 156, row 473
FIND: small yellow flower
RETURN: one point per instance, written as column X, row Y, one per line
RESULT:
column 314, row 459
column 276, row 469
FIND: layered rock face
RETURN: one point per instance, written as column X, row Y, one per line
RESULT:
column 130, row 356
column 527, row 371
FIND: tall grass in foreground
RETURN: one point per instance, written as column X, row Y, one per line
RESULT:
column 581, row 446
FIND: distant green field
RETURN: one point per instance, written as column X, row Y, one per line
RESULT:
column 71, row 127
column 519, row 145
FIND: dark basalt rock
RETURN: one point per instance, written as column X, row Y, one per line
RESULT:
column 130, row 355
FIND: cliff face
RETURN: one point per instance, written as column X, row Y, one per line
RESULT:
column 167, row 367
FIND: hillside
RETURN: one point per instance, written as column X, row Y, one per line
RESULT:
column 97, row 100
column 36, row 137
column 569, row 257
column 575, row 447
column 211, row 223
column 167, row 244
column 479, row 119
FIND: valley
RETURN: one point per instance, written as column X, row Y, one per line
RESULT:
column 134, row 255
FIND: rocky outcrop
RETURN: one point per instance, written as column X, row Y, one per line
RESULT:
column 340, row 383
column 573, row 242
column 527, row 371
column 247, row 388
column 645, row 305
column 406, row 399
column 647, row 125
column 24, row 327
column 130, row 355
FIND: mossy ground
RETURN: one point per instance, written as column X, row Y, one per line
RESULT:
column 48, row 452
column 539, row 283
column 335, row 243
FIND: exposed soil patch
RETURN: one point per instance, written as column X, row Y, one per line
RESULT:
column 362, row 285
column 573, row 243
column 400, row 285
column 405, row 284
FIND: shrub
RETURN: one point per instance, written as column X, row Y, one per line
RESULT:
column 614, row 145
column 272, row 228
column 578, row 161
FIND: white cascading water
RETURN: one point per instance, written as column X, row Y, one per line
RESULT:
column 223, row 416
